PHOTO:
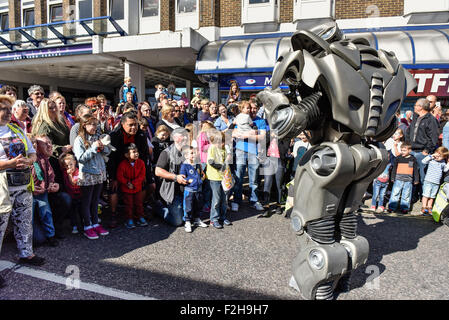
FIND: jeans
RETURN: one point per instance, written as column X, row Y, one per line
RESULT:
column 174, row 213
column 243, row 160
column 219, row 204
column 379, row 189
column 192, row 204
column 207, row 192
column 42, row 218
column 404, row 187
column 90, row 196
column 276, row 171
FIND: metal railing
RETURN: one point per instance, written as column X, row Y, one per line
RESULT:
column 63, row 31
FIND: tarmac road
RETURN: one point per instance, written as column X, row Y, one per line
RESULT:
column 249, row 260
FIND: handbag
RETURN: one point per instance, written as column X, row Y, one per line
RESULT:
column 228, row 180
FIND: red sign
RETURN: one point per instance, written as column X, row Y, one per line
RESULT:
column 431, row 81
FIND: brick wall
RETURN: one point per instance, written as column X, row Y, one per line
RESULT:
column 40, row 17
column 350, row 9
column 210, row 13
column 167, row 15
column 286, row 10
column 230, row 13
column 14, row 19
column 68, row 13
column 100, row 10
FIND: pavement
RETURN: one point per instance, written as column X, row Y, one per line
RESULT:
column 250, row 260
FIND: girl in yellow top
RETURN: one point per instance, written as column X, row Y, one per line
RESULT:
column 216, row 164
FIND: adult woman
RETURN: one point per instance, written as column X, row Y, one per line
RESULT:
column 144, row 111
column 49, row 122
column 213, row 110
column 17, row 155
column 61, row 104
column 20, row 117
column 168, row 118
column 223, row 122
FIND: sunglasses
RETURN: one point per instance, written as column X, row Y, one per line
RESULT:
column 38, row 93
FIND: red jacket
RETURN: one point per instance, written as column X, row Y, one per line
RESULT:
column 134, row 174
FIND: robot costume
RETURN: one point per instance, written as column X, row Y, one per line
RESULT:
column 346, row 93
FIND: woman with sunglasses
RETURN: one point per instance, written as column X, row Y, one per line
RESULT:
column 223, row 122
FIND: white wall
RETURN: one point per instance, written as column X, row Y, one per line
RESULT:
column 416, row 6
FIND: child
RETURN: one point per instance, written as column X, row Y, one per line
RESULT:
column 404, row 174
column 437, row 164
column 216, row 164
column 380, row 185
column 127, row 87
column 243, row 119
column 393, row 144
column 130, row 175
column 192, row 191
column 203, row 144
column 160, row 141
column 44, row 183
column 70, row 174
column 88, row 151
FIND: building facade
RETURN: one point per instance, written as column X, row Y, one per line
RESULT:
column 82, row 47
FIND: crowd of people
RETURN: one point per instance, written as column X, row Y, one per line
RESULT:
column 184, row 161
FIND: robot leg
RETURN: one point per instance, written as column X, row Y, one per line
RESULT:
column 322, row 176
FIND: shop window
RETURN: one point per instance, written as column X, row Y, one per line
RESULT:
column 85, row 9
column 28, row 17
column 4, row 21
column 258, row 1
column 313, row 9
column 56, row 13
column 117, row 9
column 259, row 11
column 150, row 8
column 187, row 6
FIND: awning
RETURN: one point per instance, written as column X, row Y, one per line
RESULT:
column 417, row 47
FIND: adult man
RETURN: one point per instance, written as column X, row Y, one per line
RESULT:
column 422, row 134
column 36, row 94
column 246, row 146
column 172, row 188
column 183, row 116
column 126, row 132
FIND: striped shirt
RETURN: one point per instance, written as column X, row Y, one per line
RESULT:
column 435, row 169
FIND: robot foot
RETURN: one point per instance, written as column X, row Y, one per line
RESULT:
column 324, row 291
column 344, row 284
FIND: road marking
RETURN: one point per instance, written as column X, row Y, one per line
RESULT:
column 52, row 277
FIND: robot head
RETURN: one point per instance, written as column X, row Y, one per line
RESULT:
column 361, row 87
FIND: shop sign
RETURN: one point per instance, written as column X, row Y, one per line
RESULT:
column 247, row 82
column 431, row 81
column 46, row 53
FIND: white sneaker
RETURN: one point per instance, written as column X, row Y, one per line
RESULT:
column 188, row 227
column 258, row 206
column 199, row 223
column 234, row 207
column 75, row 230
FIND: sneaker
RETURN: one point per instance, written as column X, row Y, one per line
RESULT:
column 52, row 242
column 234, row 207
column 75, row 230
column 216, row 225
column 188, row 227
column 34, row 261
column 141, row 222
column 101, row 231
column 373, row 208
column 380, row 209
column 199, row 223
column 403, row 212
column 91, row 234
column 226, row 222
column 256, row 205
column 130, row 224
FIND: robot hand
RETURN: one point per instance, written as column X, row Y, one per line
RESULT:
column 287, row 119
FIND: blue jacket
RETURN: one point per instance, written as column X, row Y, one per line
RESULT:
column 90, row 160
column 124, row 90
column 191, row 172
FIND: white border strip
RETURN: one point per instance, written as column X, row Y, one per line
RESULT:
column 92, row 287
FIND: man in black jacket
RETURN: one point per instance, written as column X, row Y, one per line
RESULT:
column 422, row 134
column 127, row 132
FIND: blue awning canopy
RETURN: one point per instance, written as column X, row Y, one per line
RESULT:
column 417, row 47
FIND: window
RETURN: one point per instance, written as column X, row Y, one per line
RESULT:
column 117, row 9
column 56, row 13
column 28, row 17
column 258, row 1
column 4, row 21
column 185, row 6
column 85, row 9
column 150, row 8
